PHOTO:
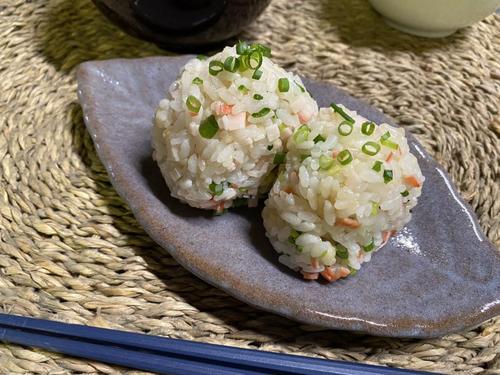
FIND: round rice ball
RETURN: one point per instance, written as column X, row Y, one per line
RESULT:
column 347, row 186
column 221, row 130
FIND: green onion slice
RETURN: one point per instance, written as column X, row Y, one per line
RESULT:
column 345, row 128
column 377, row 166
column 304, row 157
column 375, row 208
column 344, row 157
column 367, row 128
column 193, row 104
column 243, row 190
column 255, row 60
column 369, row 247
column 241, row 47
column 279, row 158
column 301, row 87
column 243, row 89
column 215, row 67
column 405, row 193
column 231, row 64
column 216, row 189
column 265, row 51
column 293, row 236
column 201, row 57
column 197, row 81
column 301, row 134
column 257, row 74
column 325, row 162
column 283, row 85
column 387, row 176
column 319, row 138
column 384, row 139
column 370, row 148
column 264, row 111
column 258, row 97
column 282, row 126
column 341, row 251
column 341, row 112
column 209, row 127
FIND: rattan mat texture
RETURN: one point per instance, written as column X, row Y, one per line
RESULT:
column 70, row 249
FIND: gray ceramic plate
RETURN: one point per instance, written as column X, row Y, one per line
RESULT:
column 437, row 276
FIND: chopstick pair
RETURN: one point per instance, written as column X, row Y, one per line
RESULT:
column 167, row 356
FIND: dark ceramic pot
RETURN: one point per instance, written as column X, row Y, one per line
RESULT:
column 183, row 25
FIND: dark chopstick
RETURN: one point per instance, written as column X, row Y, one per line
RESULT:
column 164, row 355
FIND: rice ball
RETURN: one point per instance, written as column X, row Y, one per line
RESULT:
column 222, row 128
column 346, row 187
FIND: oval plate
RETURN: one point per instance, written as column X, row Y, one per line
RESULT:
column 438, row 275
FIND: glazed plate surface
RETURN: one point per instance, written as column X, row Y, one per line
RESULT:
column 438, row 275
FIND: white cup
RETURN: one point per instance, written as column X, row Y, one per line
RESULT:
column 433, row 18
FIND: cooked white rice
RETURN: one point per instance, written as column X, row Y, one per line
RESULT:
column 327, row 218
column 237, row 161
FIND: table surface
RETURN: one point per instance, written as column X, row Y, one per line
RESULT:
column 70, row 250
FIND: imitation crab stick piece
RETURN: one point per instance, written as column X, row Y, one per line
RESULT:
column 348, row 222
column 387, row 234
column 304, row 117
column 333, row 274
column 310, row 275
column 314, row 262
column 412, row 181
column 221, row 108
column 234, row 122
column 389, row 157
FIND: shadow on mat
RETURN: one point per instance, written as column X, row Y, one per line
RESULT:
column 359, row 25
column 75, row 31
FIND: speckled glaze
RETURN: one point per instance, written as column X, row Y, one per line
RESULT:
column 438, row 275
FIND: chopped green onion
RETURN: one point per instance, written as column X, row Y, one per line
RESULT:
column 265, row 51
column 255, row 60
column 299, row 248
column 197, row 81
column 243, row 60
column 405, row 193
column 377, row 166
column 283, row 85
column 344, row 157
column 209, row 127
column 264, row 111
column 341, row 251
column 241, row 47
column 243, row 89
column 279, row 158
column 215, row 67
column 345, row 128
column 304, row 157
column 258, row 97
column 239, row 202
column 193, row 104
column 367, row 128
column 293, row 236
column 231, row 64
column 301, row 134
column 301, row 87
column 257, row 74
column 369, row 247
column 201, row 57
column 354, row 271
column 387, row 176
column 243, row 190
column 282, row 126
column 341, row 112
column 375, row 208
column 370, row 148
column 325, row 162
column 270, row 147
column 216, row 189
column 319, row 138
column 323, row 254
column 384, row 139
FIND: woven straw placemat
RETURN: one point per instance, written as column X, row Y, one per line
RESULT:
column 70, row 249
